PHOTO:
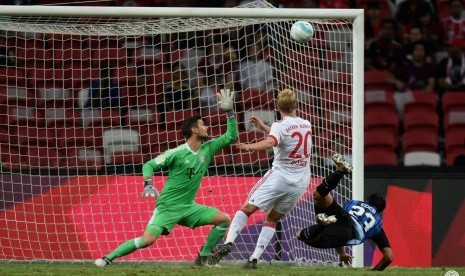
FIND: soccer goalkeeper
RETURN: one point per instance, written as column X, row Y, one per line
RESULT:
column 187, row 165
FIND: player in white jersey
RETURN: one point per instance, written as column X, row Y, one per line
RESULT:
column 278, row 191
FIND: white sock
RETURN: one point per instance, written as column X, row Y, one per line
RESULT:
column 264, row 239
column 236, row 226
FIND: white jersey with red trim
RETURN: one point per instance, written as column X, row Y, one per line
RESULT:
column 293, row 137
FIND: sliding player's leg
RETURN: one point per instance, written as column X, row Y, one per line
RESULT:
column 200, row 215
column 161, row 223
column 334, row 224
column 321, row 195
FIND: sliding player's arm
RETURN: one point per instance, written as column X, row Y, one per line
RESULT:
column 161, row 161
column 344, row 257
column 382, row 242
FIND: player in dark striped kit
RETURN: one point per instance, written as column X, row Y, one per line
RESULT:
column 352, row 224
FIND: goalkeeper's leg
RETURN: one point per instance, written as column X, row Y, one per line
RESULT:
column 130, row 246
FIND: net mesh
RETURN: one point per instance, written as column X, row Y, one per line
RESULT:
column 85, row 101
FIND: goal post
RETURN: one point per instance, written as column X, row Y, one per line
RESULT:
column 72, row 143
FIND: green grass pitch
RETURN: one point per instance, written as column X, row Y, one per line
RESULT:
column 188, row 269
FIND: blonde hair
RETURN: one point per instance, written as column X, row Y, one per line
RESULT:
column 287, row 101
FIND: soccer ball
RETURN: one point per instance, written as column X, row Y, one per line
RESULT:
column 302, row 31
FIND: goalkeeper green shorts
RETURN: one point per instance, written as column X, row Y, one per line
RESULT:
column 191, row 216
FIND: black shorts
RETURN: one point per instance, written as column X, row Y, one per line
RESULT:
column 332, row 235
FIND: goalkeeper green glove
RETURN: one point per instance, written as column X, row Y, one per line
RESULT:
column 149, row 189
column 226, row 99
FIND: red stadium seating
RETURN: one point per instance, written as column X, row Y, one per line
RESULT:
column 421, row 101
column 420, row 140
column 81, row 158
column 39, row 157
column 453, row 101
column 380, row 158
column 379, row 139
column 379, row 101
column 14, row 77
column 454, row 120
column 375, row 79
column 454, row 141
column 428, row 121
column 10, row 156
column 257, row 99
column 174, row 119
column 252, row 158
column 388, row 121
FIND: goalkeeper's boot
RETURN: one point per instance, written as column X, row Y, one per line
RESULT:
column 251, row 264
column 341, row 164
column 104, row 261
column 222, row 251
column 201, row 260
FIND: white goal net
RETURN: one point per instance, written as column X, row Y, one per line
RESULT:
column 86, row 100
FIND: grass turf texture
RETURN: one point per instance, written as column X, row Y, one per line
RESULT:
column 188, row 269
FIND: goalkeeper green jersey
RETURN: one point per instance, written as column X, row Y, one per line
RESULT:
column 186, row 168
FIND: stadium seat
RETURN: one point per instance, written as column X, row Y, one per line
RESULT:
column 34, row 58
column 453, row 101
column 149, row 56
column 454, row 140
column 380, row 157
column 70, row 57
column 104, row 118
column 109, row 57
column 62, row 117
column 215, row 118
column 118, row 143
column 251, row 136
column 127, row 158
column 39, row 157
column 143, row 116
column 420, row 140
column 174, row 119
column 453, row 154
column 256, row 99
column 422, row 158
column 421, row 101
column 454, row 120
column 379, row 139
column 223, row 157
column 252, row 158
column 13, row 77
column 82, row 158
column 267, row 116
column 55, row 98
column 27, row 116
column 32, row 135
column 75, row 137
column 428, row 121
column 388, row 121
column 4, row 135
column 376, row 79
column 17, row 96
column 10, row 157
column 329, row 141
column 379, row 100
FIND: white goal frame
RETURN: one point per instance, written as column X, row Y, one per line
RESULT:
column 355, row 15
